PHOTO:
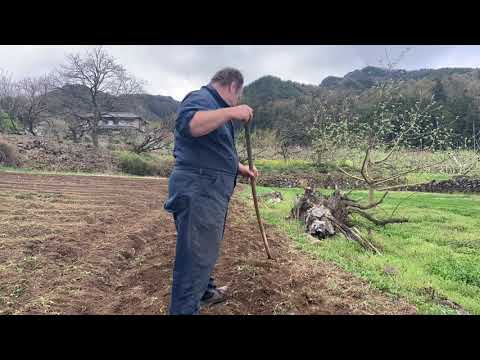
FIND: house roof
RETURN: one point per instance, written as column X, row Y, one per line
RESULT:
column 125, row 115
column 116, row 126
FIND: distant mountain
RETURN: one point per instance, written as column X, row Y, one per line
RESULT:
column 278, row 103
column 150, row 107
column 269, row 96
column 367, row 77
column 271, row 88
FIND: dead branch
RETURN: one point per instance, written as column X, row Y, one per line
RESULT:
column 376, row 221
column 363, row 171
column 346, row 173
column 154, row 140
column 366, row 207
column 387, row 156
column 353, row 235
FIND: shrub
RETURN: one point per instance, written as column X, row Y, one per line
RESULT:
column 6, row 124
column 145, row 165
column 134, row 164
column 8, row 155
column 460, row 268
column 164, row 166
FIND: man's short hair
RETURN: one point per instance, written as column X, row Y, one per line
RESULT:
column 227, row 76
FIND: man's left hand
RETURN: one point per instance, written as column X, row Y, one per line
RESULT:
column 244, row 170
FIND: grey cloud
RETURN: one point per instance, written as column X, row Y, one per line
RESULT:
column 175, row 70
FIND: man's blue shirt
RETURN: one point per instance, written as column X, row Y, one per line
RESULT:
column 214, row 151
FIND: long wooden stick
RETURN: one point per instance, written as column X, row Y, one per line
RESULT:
column 254, row 190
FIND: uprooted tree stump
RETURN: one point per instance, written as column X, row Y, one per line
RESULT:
column 327, row 215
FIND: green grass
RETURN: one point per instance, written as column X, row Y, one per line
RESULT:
column 414, row 178
column 439, row 248
column 305, row 166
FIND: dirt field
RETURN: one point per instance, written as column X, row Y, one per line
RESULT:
column 104, row 245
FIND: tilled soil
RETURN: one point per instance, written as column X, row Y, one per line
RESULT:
column 104, row 245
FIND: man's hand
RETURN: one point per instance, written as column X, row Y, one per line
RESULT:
column 241, row 112
column 244, row 170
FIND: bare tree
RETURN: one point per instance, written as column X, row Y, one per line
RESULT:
column 286, row 141
column 32, row 95
column 475, row 129
column 325, row 215
column 156, row 137
column 391, row 128
column 93, row 81
column 9, row 101
column 261, row 144
column 332, row 124
column 390, row 63
column 390, row 125
column 76, row 126
column 289, row 133
column 463, row 162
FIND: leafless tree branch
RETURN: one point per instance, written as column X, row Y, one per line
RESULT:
column 376, row 221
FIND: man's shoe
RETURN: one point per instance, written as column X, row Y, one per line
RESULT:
column 214, row 296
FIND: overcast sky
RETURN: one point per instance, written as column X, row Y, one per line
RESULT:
column 176, row 70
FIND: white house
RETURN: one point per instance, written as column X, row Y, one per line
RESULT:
column 119, row 121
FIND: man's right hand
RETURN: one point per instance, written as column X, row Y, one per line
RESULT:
column 241, row 112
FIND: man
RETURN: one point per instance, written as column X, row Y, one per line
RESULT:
column 201, row 184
